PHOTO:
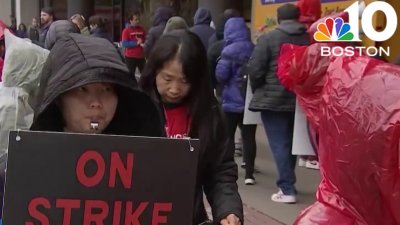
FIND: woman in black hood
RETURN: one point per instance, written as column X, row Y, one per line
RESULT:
column 86, row 88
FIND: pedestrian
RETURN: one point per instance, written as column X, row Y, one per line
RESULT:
column 98, row 27
column 58, row 30
column 133, row 38
column 46, row 19
column 20, row 82
column 175, row 23
column 160, row 18
column 13, row 26
column 176, row 77
column 228, row 13
column 232, row 76
column 202, row 28
column 277, row 104
column 22, row 31
column 216, row 44
column 80, row 21
column 33, row 30
column 86, row 82
column 310, row 12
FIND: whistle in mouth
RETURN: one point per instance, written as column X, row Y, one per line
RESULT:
column 94, row 126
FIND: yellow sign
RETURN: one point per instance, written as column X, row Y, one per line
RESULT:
column 265, row 15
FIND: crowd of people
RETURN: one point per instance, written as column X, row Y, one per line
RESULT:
column 191, row 84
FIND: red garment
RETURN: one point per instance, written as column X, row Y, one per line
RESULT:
column 134, row 34
column 354, row 104
column 177, row 122
column 310, row 11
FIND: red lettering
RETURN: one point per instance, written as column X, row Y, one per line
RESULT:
column 68, row 205
column 80, row 168
column 35, row 213
column 117, row 213
column 125, row 173
column 160, row 207
column 90, row 217
column 133, row 218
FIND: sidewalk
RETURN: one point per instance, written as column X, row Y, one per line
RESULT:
column 258, row 207
column 254, row 217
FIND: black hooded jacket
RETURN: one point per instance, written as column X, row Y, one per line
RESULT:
column 57, row 30
column 160, row 18
column 201, row 28
column 77, row 60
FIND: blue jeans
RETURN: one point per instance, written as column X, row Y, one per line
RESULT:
column 279, row 129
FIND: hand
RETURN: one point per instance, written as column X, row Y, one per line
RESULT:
column 139, row 41
column 231, row 219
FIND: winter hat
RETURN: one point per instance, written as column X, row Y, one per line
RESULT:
column 175, row 23
column 288, row 12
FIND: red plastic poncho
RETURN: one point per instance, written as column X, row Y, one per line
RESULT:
column 310, row 11
column 354, row 102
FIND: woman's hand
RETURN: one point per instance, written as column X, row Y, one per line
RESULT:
column 231, row 219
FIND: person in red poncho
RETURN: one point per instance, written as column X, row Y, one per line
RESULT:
column 353, row 102
column 310, row 11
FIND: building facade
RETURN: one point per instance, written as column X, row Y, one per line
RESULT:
column 114, row 11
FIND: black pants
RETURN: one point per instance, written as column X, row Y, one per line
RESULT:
column 249, row 139
column 133, row 63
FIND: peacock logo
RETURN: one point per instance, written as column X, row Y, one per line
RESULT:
column 334, row 30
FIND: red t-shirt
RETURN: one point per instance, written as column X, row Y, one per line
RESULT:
column 177, row 122
column 134, row 34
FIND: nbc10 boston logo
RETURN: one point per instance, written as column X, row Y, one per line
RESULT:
column 337, row 30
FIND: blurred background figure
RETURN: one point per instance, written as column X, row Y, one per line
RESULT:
column 133, row 38
column 46, row 19
column 175, row 23
column 57, row 30
column 202, row 28
column 22, row 31
column 13, row 26
column 79, row 20
column 231, row 74
column 160, row 18
column 33, row 30
column 98, row 27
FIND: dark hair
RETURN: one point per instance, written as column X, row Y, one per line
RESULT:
column 229, row 13
column 288, row 12
column 190, row 51
column 48, row 10
column 132, row 14
column 23, row 25
column 97, row 20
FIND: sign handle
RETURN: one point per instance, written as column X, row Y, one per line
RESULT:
column 191, row 148
column 18, row 138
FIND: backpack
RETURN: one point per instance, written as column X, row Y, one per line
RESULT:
column 243, row 73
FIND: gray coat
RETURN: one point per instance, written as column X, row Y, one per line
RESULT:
column 269, row 94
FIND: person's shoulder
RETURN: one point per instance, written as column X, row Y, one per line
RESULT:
column 140, row 27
